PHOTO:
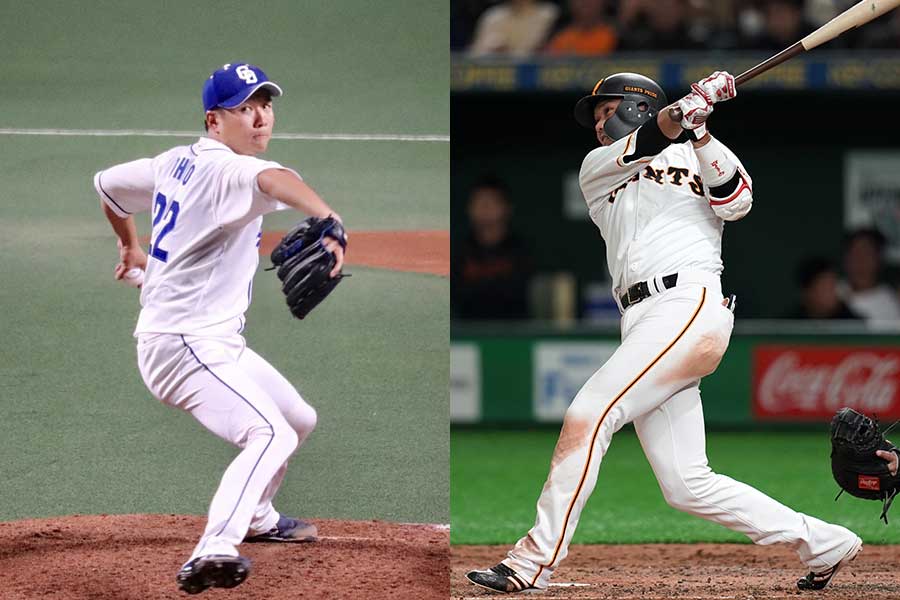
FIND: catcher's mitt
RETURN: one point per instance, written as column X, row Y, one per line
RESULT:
column 854, row 464
column 304, row 263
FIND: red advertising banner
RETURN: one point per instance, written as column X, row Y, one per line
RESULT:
column 811, row 383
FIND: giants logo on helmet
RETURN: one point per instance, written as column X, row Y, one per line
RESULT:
column 640, row 90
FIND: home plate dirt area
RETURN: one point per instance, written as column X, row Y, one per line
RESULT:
column 695, row 571
column 136, row 557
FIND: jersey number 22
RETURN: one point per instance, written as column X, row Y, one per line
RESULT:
column 162, row 207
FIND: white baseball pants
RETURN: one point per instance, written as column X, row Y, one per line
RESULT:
column 241, row 398
column 669, row 341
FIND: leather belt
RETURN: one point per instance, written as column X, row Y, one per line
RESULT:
column 641, row 290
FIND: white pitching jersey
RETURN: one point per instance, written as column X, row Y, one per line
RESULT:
column 207, row 213
column 653, row 213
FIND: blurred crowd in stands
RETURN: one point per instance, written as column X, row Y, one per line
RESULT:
column 521, row 28
column 859, row 292
column 492, row 269
column 493, row 272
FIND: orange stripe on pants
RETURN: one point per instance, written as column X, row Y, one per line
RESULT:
column 596, row 430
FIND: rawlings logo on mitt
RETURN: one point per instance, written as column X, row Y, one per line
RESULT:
column 304, row 263
column 856, row 468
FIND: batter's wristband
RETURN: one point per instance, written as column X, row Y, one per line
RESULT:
column 692, row 135
column 715, row 166
column 697, row 133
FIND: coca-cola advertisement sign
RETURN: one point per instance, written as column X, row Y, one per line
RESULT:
column 792, row 383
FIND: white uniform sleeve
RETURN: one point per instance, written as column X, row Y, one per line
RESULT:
column 609, row 167
column 240, row 200
column 127, row 188
column 727, row 184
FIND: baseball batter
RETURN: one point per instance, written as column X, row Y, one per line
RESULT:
column 660, row 191
column 207, row 200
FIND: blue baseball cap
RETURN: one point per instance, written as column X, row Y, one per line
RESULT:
column 233, row 83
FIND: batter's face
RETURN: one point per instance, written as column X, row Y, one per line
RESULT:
column 603, row 111
column 246, row 129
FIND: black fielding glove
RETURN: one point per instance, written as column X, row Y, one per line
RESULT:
column 856, row 468
column 304, row 263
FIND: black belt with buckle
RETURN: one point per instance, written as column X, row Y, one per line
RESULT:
column 641, row 291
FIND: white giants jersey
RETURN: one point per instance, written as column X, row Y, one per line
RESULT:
column 207, row 213
column 654, row 213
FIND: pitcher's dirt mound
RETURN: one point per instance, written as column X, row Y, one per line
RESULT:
column 136, row 557
column 695, row 571
column 415, row 251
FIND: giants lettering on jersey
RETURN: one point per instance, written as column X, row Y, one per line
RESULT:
column 675, row 175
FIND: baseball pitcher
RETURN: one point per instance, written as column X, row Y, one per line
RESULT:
column 207, row 201
column 660, row 191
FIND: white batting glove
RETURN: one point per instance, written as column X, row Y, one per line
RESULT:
column 695, row 109
column 718, row 87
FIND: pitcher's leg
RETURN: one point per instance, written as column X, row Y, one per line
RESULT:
column 265, row 517
column 201, row 376
column 299, row 415
column 674, row 440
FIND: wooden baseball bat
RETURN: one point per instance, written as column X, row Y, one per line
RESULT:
column 858, row 14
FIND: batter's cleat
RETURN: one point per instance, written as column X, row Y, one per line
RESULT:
column 499, row 578
column 287, row 530
column 817, row 581
column 215, row 570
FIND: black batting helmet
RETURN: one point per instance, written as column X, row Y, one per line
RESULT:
column 642, row 99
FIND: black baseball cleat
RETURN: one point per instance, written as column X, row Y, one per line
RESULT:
column 215, row 570
column 499, row 578
column 817, row 581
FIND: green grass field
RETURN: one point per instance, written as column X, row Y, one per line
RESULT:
column 79, row 433
column 496, row 477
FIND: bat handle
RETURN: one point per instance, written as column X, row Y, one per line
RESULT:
column 675, row 113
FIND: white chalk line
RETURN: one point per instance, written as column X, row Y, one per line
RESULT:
column 355, row 538
column 346, row 137
column 437, row 526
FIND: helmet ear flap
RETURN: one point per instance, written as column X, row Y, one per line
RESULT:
column 629, row 116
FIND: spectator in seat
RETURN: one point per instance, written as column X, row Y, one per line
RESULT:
column 515, row 28
column 864, row 291
column 818, row 279
column 785, row 25
column 588, row 34
column 492, row 268
column 656, row 25
column 464, row 15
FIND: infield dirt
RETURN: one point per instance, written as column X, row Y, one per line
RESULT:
column 411, row 251
column 136, row 557
column 694, row 571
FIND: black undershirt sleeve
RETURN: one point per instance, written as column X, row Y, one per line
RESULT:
column 649, row 141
